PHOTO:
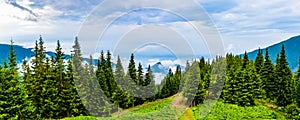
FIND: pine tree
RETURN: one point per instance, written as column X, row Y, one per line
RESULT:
column 79, row 83
column 109, row 74
column 36, row 83
column 192, row 78
column 132, row 70
column 150, row 83
column 245, row 60
column 119, row 73
column 75, row 107
column 120, row 97
column 259, row 61
column 101, row 75
column 268, row 78
column 285, row 80
column 14, row 101
column 298, row 85
column 245, row 85
column 140, row 75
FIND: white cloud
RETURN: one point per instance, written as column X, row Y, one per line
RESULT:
column 253, row 24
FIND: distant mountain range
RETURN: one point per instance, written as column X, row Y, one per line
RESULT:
column 292, row 49
column 27, row 53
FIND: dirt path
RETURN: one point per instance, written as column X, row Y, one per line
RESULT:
column 179, row 105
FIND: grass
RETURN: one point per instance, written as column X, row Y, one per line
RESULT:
column 161, row 109
column 235, row 112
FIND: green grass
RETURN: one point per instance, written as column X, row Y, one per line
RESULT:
column 152, row 107
column 234, row 112
column 161, row 109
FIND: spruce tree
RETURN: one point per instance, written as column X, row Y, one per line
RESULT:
column 150, row 83
column 78, row 79
column 110, row 81
column 140, row 74
column 259, row 61
column 192, row 78
column 245, row 61
column 36, row 82
column 101, row 69
column 298, row 85
column 120, row 97
column 132, row 70
column 14, row 101
column 268, row 78
column 285, row 80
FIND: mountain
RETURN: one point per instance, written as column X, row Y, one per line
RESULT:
column 20, row 51
column 159, row 68
column 292, row 49
column 26, row 53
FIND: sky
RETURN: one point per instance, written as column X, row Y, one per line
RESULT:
column 242, row 25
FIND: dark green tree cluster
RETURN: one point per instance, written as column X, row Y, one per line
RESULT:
column 196, row 82
column 248, row 80
column 14, row 102
column 50, row 86
column 171, row 83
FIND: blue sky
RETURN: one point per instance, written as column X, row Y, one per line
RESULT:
column 243, row 25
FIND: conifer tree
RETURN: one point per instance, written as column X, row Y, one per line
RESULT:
column 77, row 76
column 140, row 74
column 298, row 85
column 36, row 82
column 14, row 103
column 285, row 80
column 150, row 83
column 259, row 61
column 132, row 70
column 110, row 81
column 268, row 78
column 101, row 75
column 120, row 97
column 245, row 60
column 192, row 79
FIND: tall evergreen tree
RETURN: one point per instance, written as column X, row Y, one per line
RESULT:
column 298, row 85
column 259, row 61
column 79, row 83
column 101, row 75
column 245, row 61
column 192, row 79
column 132, row 70
column 268, row 78
column 36, row 83
column 285, row 80
column 14, row 101
column 140, row 74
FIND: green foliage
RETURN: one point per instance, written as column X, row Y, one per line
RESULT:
column 52, row 89
column 153, row 106
column 268, row 78
column 14, row 102
column 293, row 111
column 234, row 112
column 285, row 83
column 259, row 61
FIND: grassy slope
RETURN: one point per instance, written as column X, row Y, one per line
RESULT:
column 161, row 109
column 234, row 112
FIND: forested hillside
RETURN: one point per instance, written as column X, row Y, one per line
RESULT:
column 49, row 88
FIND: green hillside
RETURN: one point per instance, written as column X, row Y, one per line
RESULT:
column 161, row 109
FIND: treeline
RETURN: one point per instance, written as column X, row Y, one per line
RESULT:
column 50, row 87
column 247, row 82
column 58, row 87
